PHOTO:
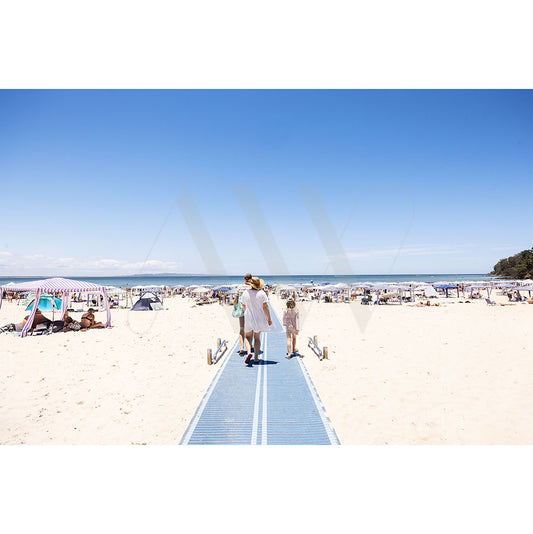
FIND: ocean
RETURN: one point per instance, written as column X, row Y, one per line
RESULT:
column 139, row 280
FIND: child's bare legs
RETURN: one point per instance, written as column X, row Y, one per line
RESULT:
column 294, row 349
column 289, row 345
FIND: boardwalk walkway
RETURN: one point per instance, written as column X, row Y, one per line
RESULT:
column 271, row 403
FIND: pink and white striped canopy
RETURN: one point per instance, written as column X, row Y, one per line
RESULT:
column 51, row 285
column 55, row 285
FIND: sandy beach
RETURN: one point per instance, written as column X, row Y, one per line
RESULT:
column 454, row 374
column 138, row 382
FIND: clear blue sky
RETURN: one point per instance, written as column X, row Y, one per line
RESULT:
column 90, row 177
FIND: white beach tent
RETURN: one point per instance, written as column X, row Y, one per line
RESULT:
column 528, row 288
column 429, row 291
column 479, row 288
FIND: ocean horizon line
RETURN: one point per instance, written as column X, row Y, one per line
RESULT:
column 192, row 275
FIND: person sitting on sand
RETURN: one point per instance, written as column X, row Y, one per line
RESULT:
column 38, row 319
column 70, row 324
column 88, row 320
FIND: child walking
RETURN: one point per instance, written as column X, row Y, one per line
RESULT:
column 291, row 322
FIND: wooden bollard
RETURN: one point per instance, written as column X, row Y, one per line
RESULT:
column 219, row 341
column 209, row 357
column 325, row 353
column 315, row 340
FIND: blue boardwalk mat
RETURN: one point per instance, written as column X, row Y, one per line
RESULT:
column 271, row 403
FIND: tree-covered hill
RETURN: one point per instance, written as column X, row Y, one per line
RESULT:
column 519, row 266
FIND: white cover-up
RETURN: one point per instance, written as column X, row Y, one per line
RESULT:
column 255, row 317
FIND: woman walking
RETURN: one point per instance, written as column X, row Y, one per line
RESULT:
column 256, row 316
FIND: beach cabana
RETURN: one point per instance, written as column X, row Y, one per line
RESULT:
column 479, row 288
column 57, row 286
column 528, row 288
column 447, row 287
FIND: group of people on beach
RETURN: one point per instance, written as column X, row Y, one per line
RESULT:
column 64, row 325
column 251, row 307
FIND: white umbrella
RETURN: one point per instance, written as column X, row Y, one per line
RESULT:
column 202, row 290
column 341, row 285
column 285, row 287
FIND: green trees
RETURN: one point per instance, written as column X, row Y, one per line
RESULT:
column 519, row 266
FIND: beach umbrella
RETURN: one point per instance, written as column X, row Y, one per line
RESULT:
column 222, row 288
column 341, row 285
column 46, row 303
column 285, row 287
column 201, row 290
column 381, row 287
column 327, row 288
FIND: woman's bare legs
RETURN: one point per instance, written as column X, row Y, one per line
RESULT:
column 248, row 337
column 257, row 346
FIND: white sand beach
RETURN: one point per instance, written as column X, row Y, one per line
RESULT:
column 455, row 374
column 138, row 382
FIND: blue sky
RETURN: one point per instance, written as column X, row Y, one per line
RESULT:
column 90, row 178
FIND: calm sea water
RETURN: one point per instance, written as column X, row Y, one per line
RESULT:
column 123, row 281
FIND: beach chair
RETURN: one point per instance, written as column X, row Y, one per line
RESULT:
column 490, row 302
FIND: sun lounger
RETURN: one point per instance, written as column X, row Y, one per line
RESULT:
column 490, row 302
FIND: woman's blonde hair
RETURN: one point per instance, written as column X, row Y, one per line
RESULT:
column 291, row 303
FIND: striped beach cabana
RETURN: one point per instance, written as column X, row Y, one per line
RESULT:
column 62, row 286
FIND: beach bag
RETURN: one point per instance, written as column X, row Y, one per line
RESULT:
column 74, row 325
column 238, row 310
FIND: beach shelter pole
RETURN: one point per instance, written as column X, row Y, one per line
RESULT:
column 107, row 307
column 64, row 304
column 29, row 322
column 1, row 297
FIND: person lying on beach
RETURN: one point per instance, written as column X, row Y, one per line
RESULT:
column 9, row 327
column 38, row 319
column 423, row 304
column 88, row 320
